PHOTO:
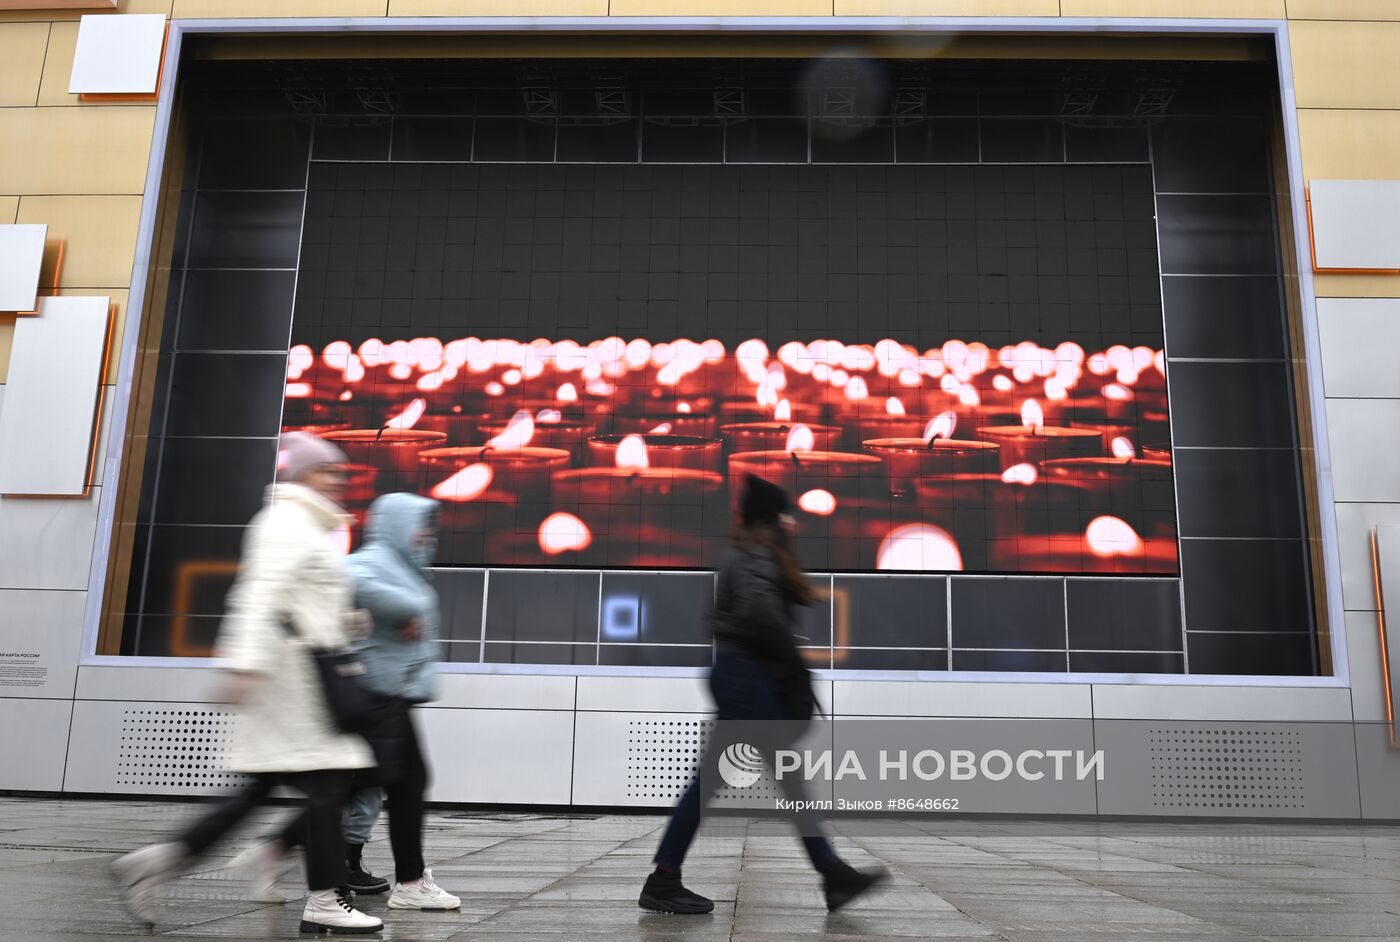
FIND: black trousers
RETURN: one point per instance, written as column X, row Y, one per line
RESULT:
column 403, row 774
column 317, row 827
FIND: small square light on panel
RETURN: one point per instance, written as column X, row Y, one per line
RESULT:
column 118, row 55
column 21, row 255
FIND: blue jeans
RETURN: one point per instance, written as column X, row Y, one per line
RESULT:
column 743, row 691
column 360, row 814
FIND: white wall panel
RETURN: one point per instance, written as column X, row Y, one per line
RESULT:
column 1363, row 434
column 178, row 683
column 1277, row 704
column 645, row 694
column 1364, row 657
column 46, row 544
column 937, row 698
column 33, row 743
column 505, row 691
column 505, row 756
column 21, row 256
column 118, row 55
column 1356, row 223
column 51, row 399
column 1354, row 524
column 1359, row 338
column 41, row 634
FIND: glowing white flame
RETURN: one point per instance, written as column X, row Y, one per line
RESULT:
column 968, row 396
column 663, row 429
column 1110, row 536
column 561, row 532
column 567, row 393
column 299, row 360
column 346, row 396
column 800, row 439
column 919, row 547
column 1117, row 392
column 298, row 390
column 856, row 390
column 1122, row 447
column 409, row 416
column 632, row 453
column 511, row 377
column 894, row 407
column 1002, row 383
column 819, row 502
column 941, row 426
column 468, row 484
column 683, row 408
column 429, row 382
column 548, row 417
column 1019, row 474
column 517, row 433
column 354, row 370
column 494, row 389
column 336, row 354
column 1032, row 416
column 783, row 413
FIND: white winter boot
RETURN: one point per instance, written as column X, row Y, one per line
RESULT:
column 423, row 894
column 329, row 911
column 141, row 873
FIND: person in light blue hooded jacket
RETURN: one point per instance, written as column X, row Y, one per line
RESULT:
column 393, row 584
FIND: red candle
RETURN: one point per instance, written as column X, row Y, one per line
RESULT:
column 1073, row 552
column 568, row 434
column 660, row 451
column 1034, row 442
column 518, row 471
column 389, row 449
column 772, row 436
column 908, row 459
column 840, row 474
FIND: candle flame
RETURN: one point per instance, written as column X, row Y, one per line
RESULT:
column 467, row 484
column 1019, row 474
column 494, row 389
column 409, row 416
column 663, row 429
column 894, row 407
column 1110, row 536
column 1117, row 392
column 683, row 408
column 567, row 393
column 818, row 501
column 511, row 377
column 548, row 417
column 335, row 354
column 919, row 547
column 517, row 432
column 800, row 439
column 783, row 413
column 1032, row 416
column 1002, row 383
column 941, row 426
column 1122, row 447
column 354, row 370
column 298, row 390
column 856, row 389
column 346, row 396
column 299, row 360
column 561, row 532
column 632, row 453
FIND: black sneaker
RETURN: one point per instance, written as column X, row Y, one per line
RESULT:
column 844, row 883
column 362, row 882
column 664, row 893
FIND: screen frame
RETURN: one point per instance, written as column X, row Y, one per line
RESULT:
column 834, row 27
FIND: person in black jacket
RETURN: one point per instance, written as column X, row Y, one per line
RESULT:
column 758, row 675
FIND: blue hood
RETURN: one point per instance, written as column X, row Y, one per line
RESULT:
column 395, row 519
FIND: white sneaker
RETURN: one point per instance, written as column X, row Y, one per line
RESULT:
column 423, row 894
column 329, row 911
column 141, row 873
column 262, row 865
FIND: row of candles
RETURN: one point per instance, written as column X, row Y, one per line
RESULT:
column 1023, row 458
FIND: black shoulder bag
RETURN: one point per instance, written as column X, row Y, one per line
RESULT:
column 353, row 706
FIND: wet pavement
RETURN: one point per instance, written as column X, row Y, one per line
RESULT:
column 526, row 876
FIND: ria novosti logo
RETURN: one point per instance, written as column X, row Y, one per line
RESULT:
column 740, row 765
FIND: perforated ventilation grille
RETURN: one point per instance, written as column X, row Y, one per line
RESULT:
column 664, row 755
column 175, row 749
column 1226, row 769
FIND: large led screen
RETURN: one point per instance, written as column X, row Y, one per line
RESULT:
column 950, row 368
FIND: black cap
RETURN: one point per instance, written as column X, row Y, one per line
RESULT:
column 763, row 501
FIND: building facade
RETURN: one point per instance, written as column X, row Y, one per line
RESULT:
column 1068, row 321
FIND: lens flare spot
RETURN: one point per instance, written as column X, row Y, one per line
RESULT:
column 562, row 533
column 1110, row 536
column 818, row 501
column 919, row 547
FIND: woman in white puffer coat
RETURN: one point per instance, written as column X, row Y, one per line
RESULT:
column 291, row 574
